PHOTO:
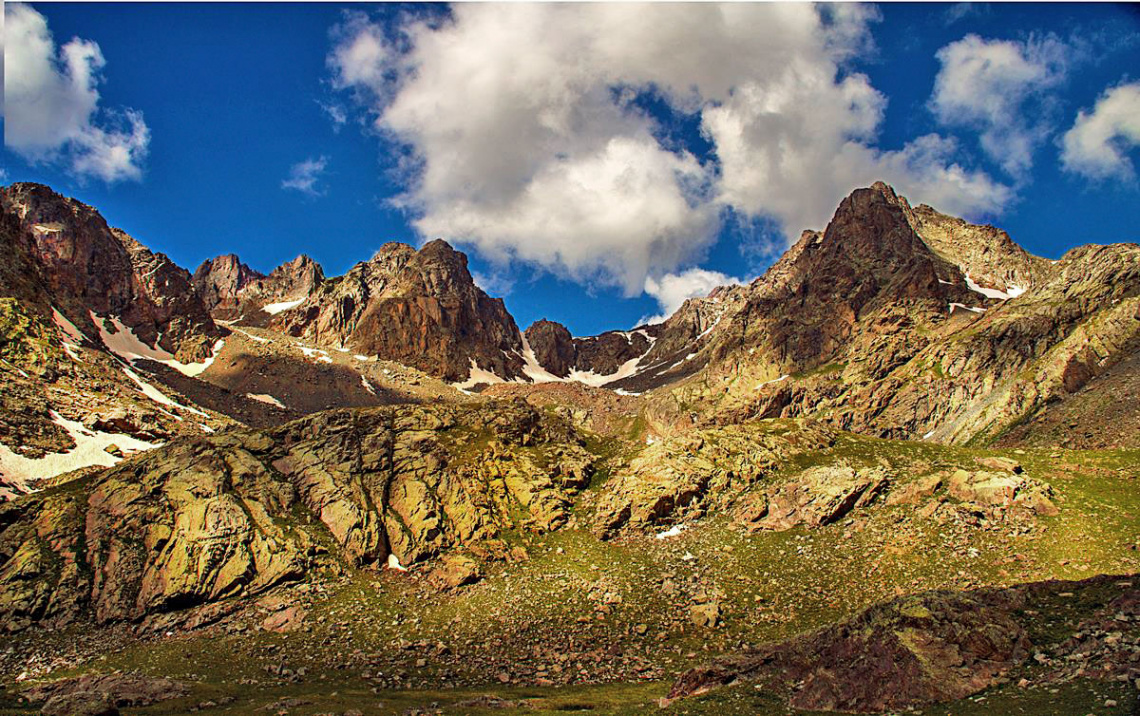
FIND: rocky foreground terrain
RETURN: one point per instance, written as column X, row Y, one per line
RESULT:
column 897, row 473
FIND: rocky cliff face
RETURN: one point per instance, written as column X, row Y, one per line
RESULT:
column 88, row 266
column 217, row 517
column 231, row 290
column 420, row 308
column 985, row 253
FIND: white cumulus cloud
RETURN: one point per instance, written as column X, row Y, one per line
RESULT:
column 1000, row 88
column 672, row 290
column 51, row 104
column 527, row 140
column 305, row 176
column 1098, row 143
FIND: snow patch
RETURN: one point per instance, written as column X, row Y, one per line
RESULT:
column 1011, row 291
column 90, row 449
column 477, row 376
column 394, row 563
column 125, row 344
column 965, row 307
column 927, row 436
column 267, row 399
column 671, row 532
column 710, row 328
column 75, row 337
column 532, row 368
column 770, row 382
column 158, row 396
column 274, row 308
column 623, row 391
column 206, row 428
column 367, row 385
column 591, row 378
column 321, row 356
column 255, row 339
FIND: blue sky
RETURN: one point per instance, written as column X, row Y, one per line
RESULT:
column 597, row 163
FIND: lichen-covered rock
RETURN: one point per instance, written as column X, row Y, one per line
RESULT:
column 683, row 476
column 235, row 514
column 819, row 496
column 997, row 489
column 455, row 570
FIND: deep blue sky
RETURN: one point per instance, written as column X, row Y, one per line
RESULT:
column 232, row 96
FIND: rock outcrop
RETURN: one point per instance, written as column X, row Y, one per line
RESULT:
column 936, row 646
column 940, row 646
column 228, row 515
column 684, row 477
column 818, row 497
column 68, row 284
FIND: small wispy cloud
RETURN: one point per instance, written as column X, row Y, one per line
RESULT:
column 962, row 10
column 305, row 176
column 672, row 290
column 336, row 112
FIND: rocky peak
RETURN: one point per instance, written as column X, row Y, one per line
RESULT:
column 302, row 273
column 221, row 280
column 553, row 347
column 421, row 308
column 90, row 266
column 233, row 290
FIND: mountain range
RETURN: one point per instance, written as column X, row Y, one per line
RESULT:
column 228, row 457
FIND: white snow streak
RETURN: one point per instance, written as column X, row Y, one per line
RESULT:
column 158, row 396
column 274, row 308
column 267, row 399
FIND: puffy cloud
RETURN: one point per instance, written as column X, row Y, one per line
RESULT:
column 1097, row 144
column 999, row 88
column 527, row 139
column 304, row 176
column 52, row 111
column 672, row 290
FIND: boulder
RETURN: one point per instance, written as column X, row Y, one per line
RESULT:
column 455, row 571
column 1001, row 464
column 819, row 496
column 914, row 492
column 285, row 620
column 996, row 489
column 705, row 615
